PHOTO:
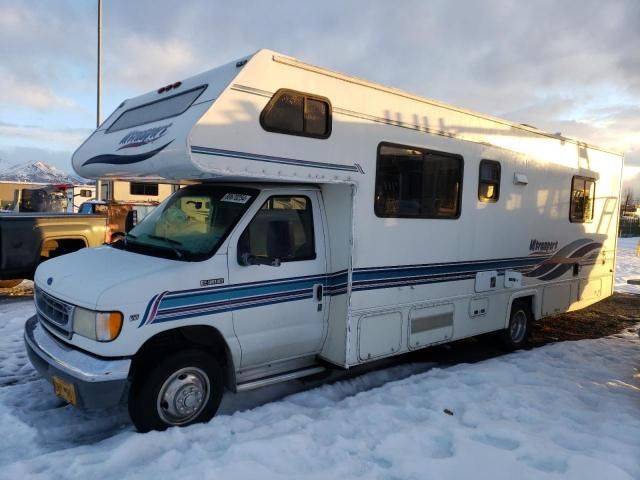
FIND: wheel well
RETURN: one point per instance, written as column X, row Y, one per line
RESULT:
column 527, row 300
column 55, row 247
column 200, row 337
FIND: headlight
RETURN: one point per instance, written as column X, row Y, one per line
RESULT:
column 100, row 326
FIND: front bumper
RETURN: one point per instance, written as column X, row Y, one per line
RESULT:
column 99, row 382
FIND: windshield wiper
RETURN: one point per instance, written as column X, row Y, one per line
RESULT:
column 169, row 241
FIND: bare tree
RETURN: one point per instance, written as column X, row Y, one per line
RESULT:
column 628, row 201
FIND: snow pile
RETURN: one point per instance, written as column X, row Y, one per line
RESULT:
column 569, row 410
column 36, row 172
column 627, row 265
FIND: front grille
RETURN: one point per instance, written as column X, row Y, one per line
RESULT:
column 55, row 313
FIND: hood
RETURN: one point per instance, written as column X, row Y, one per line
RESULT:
column 106, row 277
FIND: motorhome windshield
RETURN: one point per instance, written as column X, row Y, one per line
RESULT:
column 158, row 110
column 191, row 224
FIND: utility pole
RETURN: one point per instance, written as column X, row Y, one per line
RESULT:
column 99, row 87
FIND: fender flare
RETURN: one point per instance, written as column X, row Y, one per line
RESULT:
column 535, row 307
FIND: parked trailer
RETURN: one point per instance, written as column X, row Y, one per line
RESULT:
column 329, row 222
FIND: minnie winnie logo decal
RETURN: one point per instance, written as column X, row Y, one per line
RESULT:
column 137, row 138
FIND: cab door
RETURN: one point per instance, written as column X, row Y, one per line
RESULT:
column 278, row 263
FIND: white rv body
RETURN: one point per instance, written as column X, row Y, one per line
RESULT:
column 378, row 285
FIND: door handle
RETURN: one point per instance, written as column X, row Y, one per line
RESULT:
column 318, row 292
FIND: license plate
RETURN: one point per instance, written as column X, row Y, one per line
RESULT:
column 64, row 390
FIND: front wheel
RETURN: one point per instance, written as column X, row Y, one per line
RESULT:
column 183, row 389
column 516, row 335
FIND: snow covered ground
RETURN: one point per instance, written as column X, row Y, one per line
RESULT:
column 565, row 411
column 627, row 265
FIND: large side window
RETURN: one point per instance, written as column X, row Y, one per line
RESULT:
column 583, row 192
column 282, row 229
column 489, row 181
column 417, row 183
column 297, row 113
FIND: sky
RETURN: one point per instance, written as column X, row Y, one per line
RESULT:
column 568, row 66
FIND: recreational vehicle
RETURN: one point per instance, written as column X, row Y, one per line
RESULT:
column 327, row 222
column 52, row 198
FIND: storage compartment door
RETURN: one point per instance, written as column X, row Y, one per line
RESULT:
column 429, row 325
column 556, row 298
column 590, row 289
column 379, row 335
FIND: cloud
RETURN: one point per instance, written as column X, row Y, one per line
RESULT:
column 44, row 136
column 156, row 60
column 28, row 93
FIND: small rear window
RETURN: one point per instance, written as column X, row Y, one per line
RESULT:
column 158, row 110
column 489, row 181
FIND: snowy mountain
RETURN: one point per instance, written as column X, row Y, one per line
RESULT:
column 36, row 172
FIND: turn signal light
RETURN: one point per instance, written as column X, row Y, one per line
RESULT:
column 108, row 325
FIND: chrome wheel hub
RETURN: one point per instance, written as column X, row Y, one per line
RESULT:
column 183, row 396
column 518, row 327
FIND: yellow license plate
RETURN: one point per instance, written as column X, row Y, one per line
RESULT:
column 64, row 390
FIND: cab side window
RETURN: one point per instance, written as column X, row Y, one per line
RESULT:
column 282, row 229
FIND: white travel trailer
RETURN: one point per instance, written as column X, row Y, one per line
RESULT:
column 328, row 221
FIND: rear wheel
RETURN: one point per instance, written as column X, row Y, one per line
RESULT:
column 516, row 335
column 183, row 389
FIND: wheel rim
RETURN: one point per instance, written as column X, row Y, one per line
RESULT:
column 518, row 328
column 183, row 396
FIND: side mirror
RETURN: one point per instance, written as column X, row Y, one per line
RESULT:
column 246, row 259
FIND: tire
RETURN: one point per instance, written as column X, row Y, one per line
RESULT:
column 183, row 389
column 516, row 335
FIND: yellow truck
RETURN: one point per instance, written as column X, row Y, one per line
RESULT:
column 27, row 239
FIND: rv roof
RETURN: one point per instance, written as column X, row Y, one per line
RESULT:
column 396, row 91
column 209, row 127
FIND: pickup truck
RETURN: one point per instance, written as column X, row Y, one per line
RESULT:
column 27, row 239
column 122, row 216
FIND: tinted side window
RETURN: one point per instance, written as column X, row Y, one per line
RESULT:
column 417, row 183
column 489, row 181
column 297, row 113
column 282, row 228
column 150, row 189
column 583, row 191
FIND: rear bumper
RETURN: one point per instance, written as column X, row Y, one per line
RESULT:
column 99, row 382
